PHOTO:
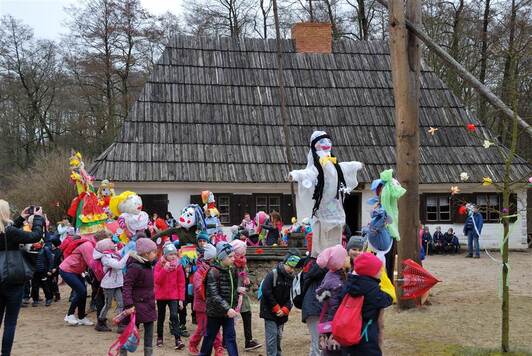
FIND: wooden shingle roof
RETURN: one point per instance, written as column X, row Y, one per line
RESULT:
column 209, row 112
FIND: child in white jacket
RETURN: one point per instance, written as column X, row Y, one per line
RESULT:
column 113, row 279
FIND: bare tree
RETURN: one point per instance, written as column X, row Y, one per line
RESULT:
column 29, row 70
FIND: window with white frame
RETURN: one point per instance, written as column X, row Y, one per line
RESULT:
column 224, row 207
column 489, row 206
column 437, row 208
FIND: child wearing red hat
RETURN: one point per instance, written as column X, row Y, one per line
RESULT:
column 365, row 281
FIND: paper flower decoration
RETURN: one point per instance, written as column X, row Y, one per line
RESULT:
column 455, row 190
column 464, row 176
column 433, row 130
column 471, row 127
column 505, row 210
column 488, row 144
column 462, row 210
column 487, row 181
column 530, row 181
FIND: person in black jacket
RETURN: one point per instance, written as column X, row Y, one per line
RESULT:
column 275, row 304
column 366, row 283
column 11, row 237
column 221, row 289
column 311, row 308
column 43, row 269
column 53, row 279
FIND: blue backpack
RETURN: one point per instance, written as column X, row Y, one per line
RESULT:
column 259, row 292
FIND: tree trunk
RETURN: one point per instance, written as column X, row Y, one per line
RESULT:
column 508, row 84
column 332, row 20
column 484, row 60
column 363, row 27
column 405, row 58
column 505, row 330
column 452, row 77
column 284, row 115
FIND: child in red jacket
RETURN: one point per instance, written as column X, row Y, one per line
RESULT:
column 169, row 291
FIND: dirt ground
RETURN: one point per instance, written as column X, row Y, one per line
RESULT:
column 464, row 318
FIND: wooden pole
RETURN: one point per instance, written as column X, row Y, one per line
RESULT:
column 464, row 74
column 405, row 62
column 282, row 98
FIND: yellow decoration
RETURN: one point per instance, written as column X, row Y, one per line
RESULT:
column 327, row 159
column 433, row 130
column 117, row 200
column 487, row 181
column 387, row 286
column 455, row 190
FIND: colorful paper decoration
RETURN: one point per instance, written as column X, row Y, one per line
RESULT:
column 416, row 280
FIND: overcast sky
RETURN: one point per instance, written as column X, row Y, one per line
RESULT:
column 47, row 17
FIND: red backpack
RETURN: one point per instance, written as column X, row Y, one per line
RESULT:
column 71, row 243
column 347, row 322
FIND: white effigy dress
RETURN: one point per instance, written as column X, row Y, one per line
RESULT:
column 329, row 217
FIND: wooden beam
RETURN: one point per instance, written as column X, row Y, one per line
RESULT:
column 405, row 62
column 464, row 74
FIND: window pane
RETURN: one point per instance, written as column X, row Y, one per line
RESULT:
column 445, row 209
column 482, row 200
column 224, row 208
column 494, row 207
column 275, row 204
column 262, row 203
column 432, row 202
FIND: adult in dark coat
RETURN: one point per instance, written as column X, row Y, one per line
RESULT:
column 11, row 237
column 311, row 308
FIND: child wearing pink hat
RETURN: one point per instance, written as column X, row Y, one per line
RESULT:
column 329, row 293
column 365, row 281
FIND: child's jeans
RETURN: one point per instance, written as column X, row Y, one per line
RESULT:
column 199, row 333
column 274, row 336
column 213, row 327
column 109, row 295
column 312, row 324
column 174, row 317
column 148, row 340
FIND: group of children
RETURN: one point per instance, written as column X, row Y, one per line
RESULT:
column 439, row 242
column 324, row 282
column 142, row 279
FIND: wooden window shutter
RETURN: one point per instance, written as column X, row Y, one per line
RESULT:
column 422, row 208
column 236, row 209
column 286, row 209
column 513, row 206
column 196, row 199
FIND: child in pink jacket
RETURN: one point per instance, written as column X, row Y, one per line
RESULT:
column 169, row 291
column 71, row 270
column 199, row 306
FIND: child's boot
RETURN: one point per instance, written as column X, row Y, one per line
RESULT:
column 179, row 345
column 159, row 341
column 101, row 325
column 148, row 351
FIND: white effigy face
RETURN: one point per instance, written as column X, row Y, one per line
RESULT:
column 323, row 147
column 187, row 219
column 132, row 205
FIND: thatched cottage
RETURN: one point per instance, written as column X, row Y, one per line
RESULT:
column 208, row 118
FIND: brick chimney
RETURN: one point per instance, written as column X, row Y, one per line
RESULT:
column 312, row 37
